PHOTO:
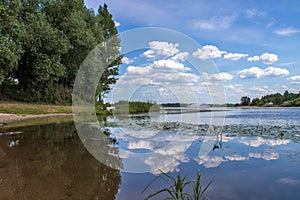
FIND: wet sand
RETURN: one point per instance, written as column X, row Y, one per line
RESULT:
column 10, row 118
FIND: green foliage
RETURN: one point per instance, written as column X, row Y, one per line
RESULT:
column 135, row 107
column 277, row 99
column 43, row 43
column 177, row 187
column 29, row 108
column 109, row 33
column 292, row 103
column 257, row 102
column 245, row 101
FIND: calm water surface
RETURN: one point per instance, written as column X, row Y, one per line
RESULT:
column 256, row 156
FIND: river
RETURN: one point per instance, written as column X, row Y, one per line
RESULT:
column 248, row 153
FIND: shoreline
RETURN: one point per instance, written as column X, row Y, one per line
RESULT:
column 11, row 118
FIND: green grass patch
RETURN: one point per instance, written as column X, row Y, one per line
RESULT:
column 29, row 108
column 38, row 121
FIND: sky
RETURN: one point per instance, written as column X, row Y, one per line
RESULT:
column 253, row 47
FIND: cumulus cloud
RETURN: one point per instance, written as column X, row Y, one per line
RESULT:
column 160, row 49
column 181, row 56
column 235, row 56
column 266, row 58
column 208, row 52
column 223, row 76
column 210, row 161
column 274, row 71
column 258, row 141
column 253, row 72
column 263, row 89
column 132, row 70
column 236, row 157
column 170, row 64
column 294, row 78
column 256, row 72
column 215, row 23
column 267, row 155
column 140, row 144
column 286, row 31
column 254, row 58
column 126, row 61
column 269, row 58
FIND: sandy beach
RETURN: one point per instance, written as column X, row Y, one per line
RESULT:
column 9, row 118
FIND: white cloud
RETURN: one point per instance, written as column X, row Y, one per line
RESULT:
column 269, row 58
column 263, row 89
column 268, row 154
column 215, row 23
column 235, row 56
column 161, row 49
column 210, row 161
column 266, row 58
column 139, row 70
column 274, row 71
column 256, row 72
column 289, row 181
column 252, row 13
column 223, row 76
column 236, row 157
column 208, row 52
column 170, row 64
column 254, row 58
column 140, row 144
column 294, row 78
column 235, row 90
column 253, row 72
column 258, row 141
column 286, row 31
column 126, row 61
column 181, row 56
column 117, row 23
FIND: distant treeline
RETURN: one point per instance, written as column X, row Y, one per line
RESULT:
column 175, row 104
column 286, row 99
column 135, row 107
column 43, row 43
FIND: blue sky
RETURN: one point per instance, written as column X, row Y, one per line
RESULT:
column 254, row 45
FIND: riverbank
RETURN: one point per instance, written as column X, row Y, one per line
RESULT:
column 11, row 118
column 32, row 108
column 11, row 112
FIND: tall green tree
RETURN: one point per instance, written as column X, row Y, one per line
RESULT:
column 257, row 102
column 111, row 40
column 43, row 43
column 245, row 101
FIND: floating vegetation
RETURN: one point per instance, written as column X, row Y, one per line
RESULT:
column 285, row 131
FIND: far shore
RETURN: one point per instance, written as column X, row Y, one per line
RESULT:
column 11, row 118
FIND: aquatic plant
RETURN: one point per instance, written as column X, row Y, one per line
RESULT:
column 177, row 187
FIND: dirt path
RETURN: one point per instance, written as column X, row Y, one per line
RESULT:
column 9, row 118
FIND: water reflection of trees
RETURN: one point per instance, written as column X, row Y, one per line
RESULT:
column 50, row 162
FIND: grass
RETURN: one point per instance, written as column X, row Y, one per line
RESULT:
column 29, row 108
column 176, row 187
column 39, row 121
